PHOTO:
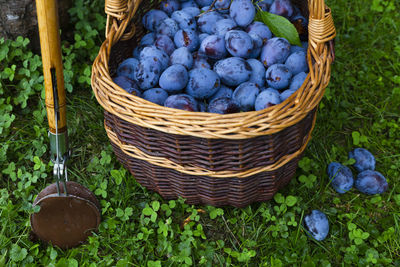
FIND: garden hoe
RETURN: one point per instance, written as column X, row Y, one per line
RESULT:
column 69, row 212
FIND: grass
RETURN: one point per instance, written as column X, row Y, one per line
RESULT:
column 139, row 228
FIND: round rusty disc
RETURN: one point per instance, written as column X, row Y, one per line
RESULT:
column 65, row 221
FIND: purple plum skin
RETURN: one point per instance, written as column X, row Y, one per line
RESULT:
column 213, row 47
column 341, row 177
column 242, row 12
column 317, row 225
column 174, row 79
column 223, row 105
column 233, row 70
column 364, row 159
column 152, row 18
column 202, row 83
column 181, row 101
column 267, row 98
column 371, row 182
column 276, row 50
column 238, row 43
column 278, row 76
column 245, row 95
column 156, row 95
column 297, row 62
column 127, row 84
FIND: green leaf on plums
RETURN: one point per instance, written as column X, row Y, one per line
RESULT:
column 279, row 26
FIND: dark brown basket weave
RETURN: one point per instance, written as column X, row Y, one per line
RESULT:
column 215, row 159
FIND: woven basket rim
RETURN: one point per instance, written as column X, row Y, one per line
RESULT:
column 241, row 125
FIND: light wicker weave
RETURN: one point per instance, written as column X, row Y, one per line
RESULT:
column 232, row 159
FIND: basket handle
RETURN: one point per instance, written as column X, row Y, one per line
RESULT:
column 119, row 15
column 321, row 29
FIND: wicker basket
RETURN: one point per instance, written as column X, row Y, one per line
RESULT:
column 232, row 159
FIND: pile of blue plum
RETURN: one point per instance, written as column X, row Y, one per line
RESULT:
column 368, row 181
column 216, row 58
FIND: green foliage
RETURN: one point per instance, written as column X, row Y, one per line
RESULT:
column 139, row 228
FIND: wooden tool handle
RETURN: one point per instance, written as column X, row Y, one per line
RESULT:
column 47, row 14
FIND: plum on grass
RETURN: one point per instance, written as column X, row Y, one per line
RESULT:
column 245, row 95
column 127, row 68
column 207, row 22
column 371, row 182
column 223, row 105
column 174, row 79
column 233, row 70
column 224, row 25
column 156, row 55
column 127, row 84
column 364, row 159
column 340, row 176
column 260, row 29
column 242, row 12
column 182, row 56
column 156, row 95
column 267, row 98
column 181, row 101
column 213, row 46
column 152, row 18
column 317, row 224
column 257, row 72
column 184, row 20
column 282, row 8
column 276, row 50
column 164, row 43
column 297, row 62
column 148, row 72
column 187, row 38
column 278, row 76
column 238, row 43
column 297, row 81
column 202, row 83
column 168, row 27
column 169, row 6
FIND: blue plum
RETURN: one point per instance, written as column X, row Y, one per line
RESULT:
column 170, row 6
column 207, row 22
column 152, row 18
column 223, row 6
column 148, row 39
column 156, row 95
column 297, row 62
column 278, row 76
column 341, row 177
column 223, row 105
column 297, row 81
column 213, row 47
column 182, row 56
column 156, row 54
column 286, row 94
column 168, row 27
column 233, row 70
column 164, row 43
column 202, row 106
column 223, row 26
column 242, row 12
column 276, row 50
column 257, row 72
column 192, row 11
column 267, row 98
column 371, row 182
column 203, row 3
column 202, row 83
column 222, row 92
column 295, row 48
column 203, row 36
column 317, row 224
column 138, row 49
column 364, row 159
column 245, row 95
column 257, row 45
column 181, row 101
column 184, row 20
column 127, row 84
column 189, row 3
column 238, row 43
column 265, row 4
column 200, row 60
column 282, row 8
column 260, row 29
column 174, row 79
column 187, row 38
column 127, row 68
column 148, row 72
